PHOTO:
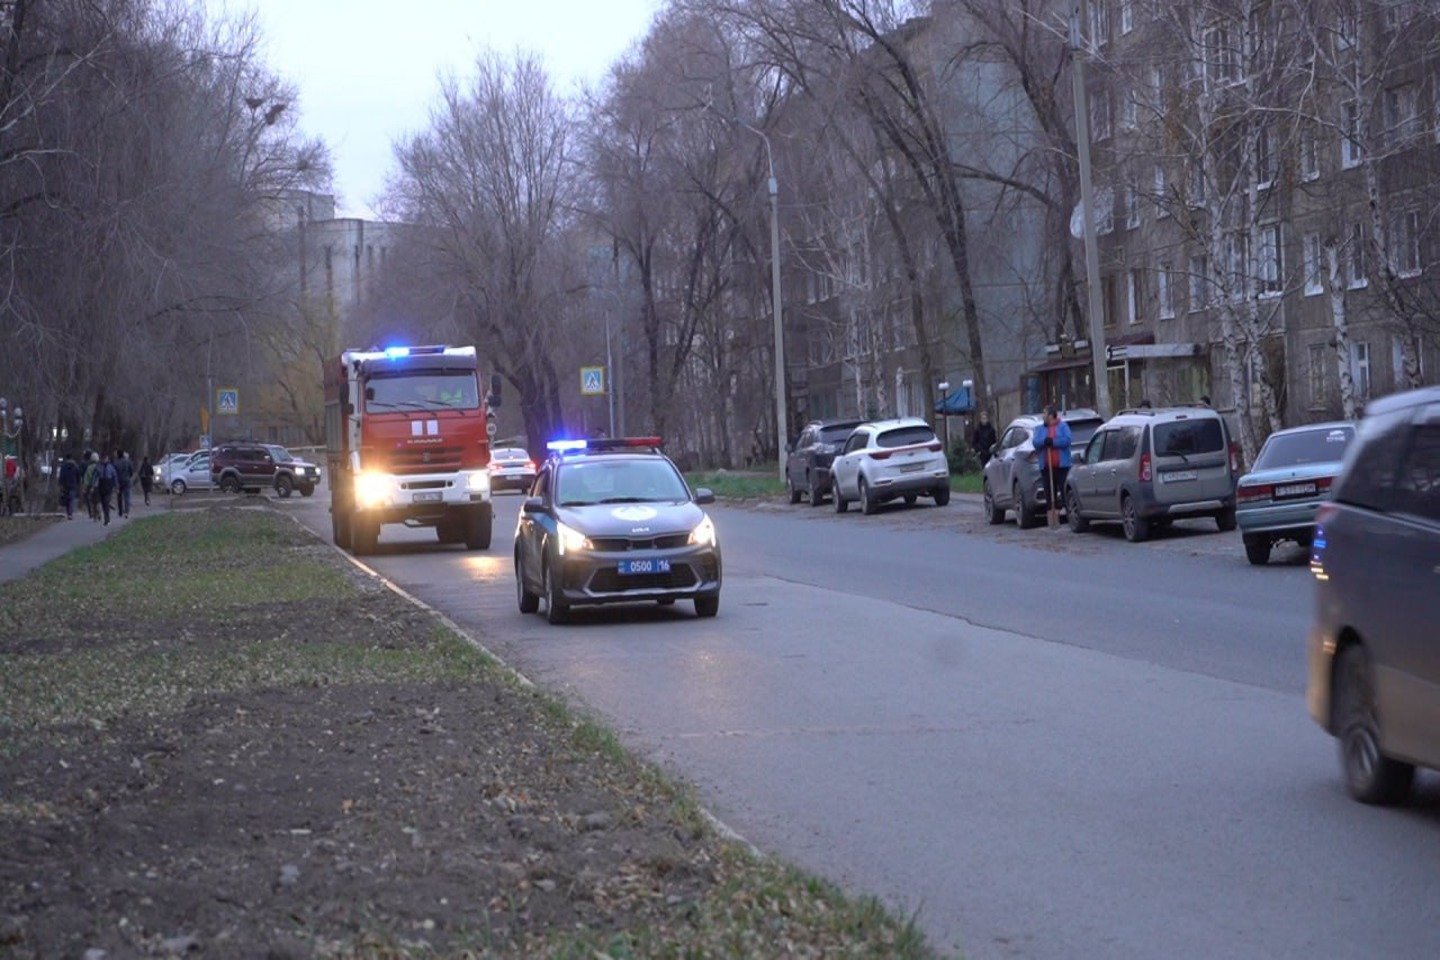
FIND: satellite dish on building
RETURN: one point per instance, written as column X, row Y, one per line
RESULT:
column 1104, row 200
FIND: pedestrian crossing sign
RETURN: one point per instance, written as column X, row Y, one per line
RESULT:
column 227, row 402
column 592, row 381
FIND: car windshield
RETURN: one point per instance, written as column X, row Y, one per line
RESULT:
column 586, row 482
column 423, row 391
column 905, row 436
column 1185, row 438
column 1326, row 445
column 837, row 434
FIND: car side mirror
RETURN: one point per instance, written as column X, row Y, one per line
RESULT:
column 994, row 448
column 704, row 495
column 533, row 505
column 495, row 382
column 369, row 393
column 1078, row 456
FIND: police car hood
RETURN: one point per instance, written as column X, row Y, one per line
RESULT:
column 632, row 519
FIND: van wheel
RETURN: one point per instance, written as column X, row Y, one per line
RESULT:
column 1370, row 776
column 995, row 515
column 283, row 487
column 1225, row 520
column 1026, row 519
column 1257, row 550
column 1072, row 513
column 1137, row 528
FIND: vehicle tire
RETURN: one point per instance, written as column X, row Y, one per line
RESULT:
column 449, row 531
column 556, row 609
column 1257, row 550
column 230, row 484
column 868, row 506
column 340, row 529
column 1137, row 528
column 1025, row 518
column 307, row 491
column 841, row 504
column 283, row 487
column 1078, row 523
column 528, row 602
column 177, row 487
column 1370, row 776
column 707, row 606
column 996, row 515
column 478, row 525
column 1225, row 520
column 817, row 495
column 942, row 495
column 364, row 536
column 790, row 489
column 910, row 499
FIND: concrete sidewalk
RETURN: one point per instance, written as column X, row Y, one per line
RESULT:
column 58, row 539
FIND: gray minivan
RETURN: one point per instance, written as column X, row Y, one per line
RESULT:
column 1147, row 468
column 1374, row 649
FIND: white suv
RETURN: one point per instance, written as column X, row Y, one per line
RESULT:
column 888, row 459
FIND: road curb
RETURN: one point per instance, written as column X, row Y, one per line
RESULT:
column 725, row 831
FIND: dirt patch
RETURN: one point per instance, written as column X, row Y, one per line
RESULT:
column 338, row 775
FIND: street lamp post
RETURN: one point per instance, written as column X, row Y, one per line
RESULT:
column 944, row 387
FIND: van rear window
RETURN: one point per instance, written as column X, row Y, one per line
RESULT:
column 1185, row 438
column 905, row 436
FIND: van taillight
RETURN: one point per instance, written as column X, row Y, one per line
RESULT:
column 1234, row 457
column 1145, row 467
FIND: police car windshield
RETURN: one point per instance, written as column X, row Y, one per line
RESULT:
column 423, row 391
column 583, row 483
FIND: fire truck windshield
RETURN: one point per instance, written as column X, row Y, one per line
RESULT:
column 423, row 391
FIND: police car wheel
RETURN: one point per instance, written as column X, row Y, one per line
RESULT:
column 707, row 606
column 529, row 602
column 556, row 609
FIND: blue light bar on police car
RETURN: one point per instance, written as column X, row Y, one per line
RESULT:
column 564, row 446
column 394, row 352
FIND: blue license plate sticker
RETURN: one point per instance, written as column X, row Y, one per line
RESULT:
column 632, row 567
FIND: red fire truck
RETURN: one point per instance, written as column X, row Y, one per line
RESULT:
column 407, row 442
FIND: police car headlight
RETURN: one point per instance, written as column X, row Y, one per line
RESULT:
column 703, row 535
column 479, row 481
column 371, row 490
column 570, row 539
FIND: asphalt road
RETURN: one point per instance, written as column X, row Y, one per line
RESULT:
column 1046, row 745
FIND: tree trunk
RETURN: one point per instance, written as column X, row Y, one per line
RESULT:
column 1341, row 341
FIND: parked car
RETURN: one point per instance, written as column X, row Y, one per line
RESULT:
column 1373, row 649
column 1277, row 500
column 242, row 466
column 1148, row 468
column 511, row 467
column 1015, row 476
column 192, row 473
column 807, row 467
column 613, row 521
column 888, row 459
column 292, row 472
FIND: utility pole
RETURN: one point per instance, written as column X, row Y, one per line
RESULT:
column 610, row 375
column 1095, row 307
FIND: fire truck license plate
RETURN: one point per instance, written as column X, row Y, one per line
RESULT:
column 433, row 496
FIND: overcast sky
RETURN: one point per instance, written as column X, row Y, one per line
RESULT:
column 367, row 69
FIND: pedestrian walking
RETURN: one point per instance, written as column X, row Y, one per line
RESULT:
column 124, row 482
column 1053, row 437
column 91, row 483
column 106, row 486
column 69, row 484
column 147, row 478
column 983, row 438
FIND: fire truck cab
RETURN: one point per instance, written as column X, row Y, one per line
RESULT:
column 407, row 442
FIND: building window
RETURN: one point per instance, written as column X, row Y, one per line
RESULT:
column 1196, row 186
column 1318, row 362
column 1131, row 206
column 1130, row 113
column 1350, row 147
column 1163, row 293
column 1356, row 275
column 1162, row 199
column 1107, row 294
column 1264, row 159
column 1199, row 284
column 1271, row 271
column 1397, row 349
column 1309, row 158
column 1237, row 257
column 1405, row 243
column 1127, row 15
column 1314, row 256
column 1402, row 114
column 1105, row 207
column 1099, row 24
column 1220, row 61
column 1100, row 116
column 1360, row 368
column 1347, row 31
column 1132, row 296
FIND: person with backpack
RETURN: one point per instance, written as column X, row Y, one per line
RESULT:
column 91, row 484
column 124, row 482
column 147, row 478
column 106, row 484
column 69, row 484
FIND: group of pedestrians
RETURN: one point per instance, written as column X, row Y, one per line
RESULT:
column 98, row 479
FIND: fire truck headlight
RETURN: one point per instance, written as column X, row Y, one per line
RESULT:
column 371, row 490
column 479, row 481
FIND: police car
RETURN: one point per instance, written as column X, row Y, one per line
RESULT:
column 613, row 521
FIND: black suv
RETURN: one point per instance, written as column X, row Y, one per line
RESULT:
column 807, row 468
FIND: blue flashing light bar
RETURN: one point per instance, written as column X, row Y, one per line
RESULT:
column 394, row 352
column 565, row 446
